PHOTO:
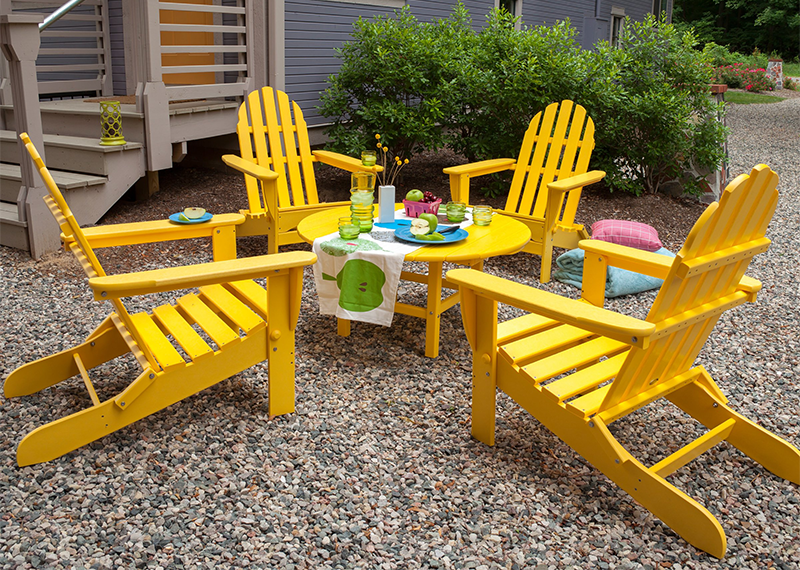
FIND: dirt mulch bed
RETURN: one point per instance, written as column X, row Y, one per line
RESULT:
column 220, row 192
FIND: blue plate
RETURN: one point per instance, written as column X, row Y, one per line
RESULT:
column 405, row 234
column 175, row 218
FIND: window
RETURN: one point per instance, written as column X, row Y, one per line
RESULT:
column 513, row 7
column 658, row 7
column 617, row 21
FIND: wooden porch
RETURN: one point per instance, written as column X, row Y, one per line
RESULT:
column 187, row 66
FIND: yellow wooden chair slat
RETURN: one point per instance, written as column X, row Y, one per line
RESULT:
column 183, row 333
column 225, row 302
column 165, row 354
column 228, row 300
column 550, row 171
column 252, row 294
column 273, row 136
column 202, row 315
column 577, row 372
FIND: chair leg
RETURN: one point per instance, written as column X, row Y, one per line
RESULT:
column 547, row 260
column 693, row 522
column 777, row 455
column 104, row 344
column 272, row 237
column 591, row 439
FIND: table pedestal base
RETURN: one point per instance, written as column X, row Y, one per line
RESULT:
column 434, row 308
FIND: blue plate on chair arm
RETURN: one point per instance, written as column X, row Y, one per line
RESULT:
column 404, row 233
column 176, row 218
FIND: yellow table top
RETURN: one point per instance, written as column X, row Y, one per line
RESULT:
column 502, row 237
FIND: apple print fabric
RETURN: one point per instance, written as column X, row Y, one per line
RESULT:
column 357, row 279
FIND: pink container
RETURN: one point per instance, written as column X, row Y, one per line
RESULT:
column 414, row 209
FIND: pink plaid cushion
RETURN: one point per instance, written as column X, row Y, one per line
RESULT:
column 631, row 234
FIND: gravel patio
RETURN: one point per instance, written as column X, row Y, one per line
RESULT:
column 377, row 468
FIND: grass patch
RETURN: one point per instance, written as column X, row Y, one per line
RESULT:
column 791, row 69
column 750, row 98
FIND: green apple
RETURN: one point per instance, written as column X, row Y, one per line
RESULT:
column 415, row 195
column 420, row 227
column 194, row 213
column 432, row 220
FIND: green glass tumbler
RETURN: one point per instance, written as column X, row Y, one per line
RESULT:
column 456, row 211
column 349, row 228
column 482, row 215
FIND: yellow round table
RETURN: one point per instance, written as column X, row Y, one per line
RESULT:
column 503, row 236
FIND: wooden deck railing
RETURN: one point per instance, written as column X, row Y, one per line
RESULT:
column 75, row 54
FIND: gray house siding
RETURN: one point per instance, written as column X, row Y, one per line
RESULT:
column 117, row 46
column 314, row 28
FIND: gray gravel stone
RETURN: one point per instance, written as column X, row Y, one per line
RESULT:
column 377, row 468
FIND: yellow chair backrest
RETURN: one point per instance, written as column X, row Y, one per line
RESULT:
column 274, row 135
column 702, row 283
column 558, row 144
column 79, row 245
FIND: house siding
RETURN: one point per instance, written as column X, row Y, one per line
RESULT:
column 314, row 28
column 116, row 32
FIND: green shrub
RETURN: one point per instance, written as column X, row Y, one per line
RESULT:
column 395, row 80
column 509, row 76
column 651, row 106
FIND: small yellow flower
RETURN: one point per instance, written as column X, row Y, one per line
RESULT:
column 378, row 145
column 378, row 137
column 406, row 161
column 384, row 149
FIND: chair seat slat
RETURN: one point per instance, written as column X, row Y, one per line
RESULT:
column 162, row 349
column 207, row 320
column 233, row 308
column 191, row 342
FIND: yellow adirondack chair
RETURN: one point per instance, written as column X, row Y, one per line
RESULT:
column 577, row 367
column 549, row 174
column 270, row 140
column 246, row 323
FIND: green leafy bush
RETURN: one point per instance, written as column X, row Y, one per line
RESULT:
column 395, row 79
column 509, row 76
column 651, row 106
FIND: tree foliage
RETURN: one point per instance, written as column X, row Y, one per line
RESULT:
column 768, row 26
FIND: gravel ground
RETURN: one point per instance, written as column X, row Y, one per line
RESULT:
column 377, row 468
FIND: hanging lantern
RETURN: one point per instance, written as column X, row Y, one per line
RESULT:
column 111, row 124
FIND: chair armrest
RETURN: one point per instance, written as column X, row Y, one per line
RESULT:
column 629, row 330
column 482, row 167
column 191, row 276
column 629, row 258
column 153, row 231
column 461, row 174
column 247, row 167
column 578, row 181
column 343, row 161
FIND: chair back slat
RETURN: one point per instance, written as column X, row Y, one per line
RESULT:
column 79, row 244
column 306, row 158
column 558, row 144
column 287, row 129
column 251, row 132
column 275, row 143
column 582, row 136
column 702, row 284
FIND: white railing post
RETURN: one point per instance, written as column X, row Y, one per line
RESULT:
column 154, row 96
column 19, row 37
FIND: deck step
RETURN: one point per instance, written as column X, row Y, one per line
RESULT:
column 76, row 154
column 11, row 180
column 13, row 231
